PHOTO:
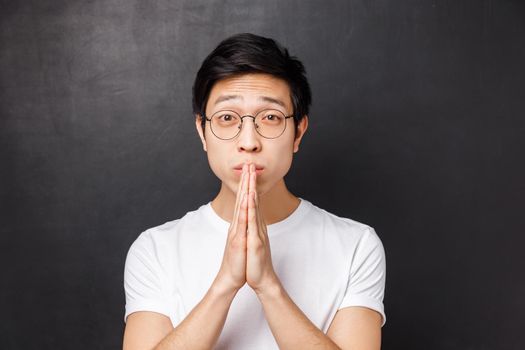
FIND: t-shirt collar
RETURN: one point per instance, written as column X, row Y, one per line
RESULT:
column 295, row 217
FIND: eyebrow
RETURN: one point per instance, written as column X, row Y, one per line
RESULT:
column 223, row 98
column 272, row 100
column 239, row 97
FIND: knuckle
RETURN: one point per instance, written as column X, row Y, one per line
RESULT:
column 256, row 246
column 232, row 229
column 237, row 243
column 242, row 219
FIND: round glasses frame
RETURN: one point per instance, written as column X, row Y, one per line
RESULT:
column 248, row 116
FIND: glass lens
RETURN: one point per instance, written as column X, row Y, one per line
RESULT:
column 270, row 123
column 225, row 124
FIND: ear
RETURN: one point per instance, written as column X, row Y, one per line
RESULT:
column 198, row 125
column 301, row 129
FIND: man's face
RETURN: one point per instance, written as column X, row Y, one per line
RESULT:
column 248, row 94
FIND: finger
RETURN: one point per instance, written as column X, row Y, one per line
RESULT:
column 253, row 179
column 239, row 195
column 243, row 216
column 240, row 191
column 260, row 219
column 252, row 224
column 245, row 181
column 237, row 204
column 261, row 226
column 242, row 209
column 244, row 185
column 241, row 184
column 253, row 191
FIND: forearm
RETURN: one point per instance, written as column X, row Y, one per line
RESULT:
column 289, row 325
column 203, row 325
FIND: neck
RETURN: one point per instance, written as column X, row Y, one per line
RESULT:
column 275, row 205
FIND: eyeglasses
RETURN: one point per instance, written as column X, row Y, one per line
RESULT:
column 227, row 124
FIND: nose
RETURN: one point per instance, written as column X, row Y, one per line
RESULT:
column 248, row 139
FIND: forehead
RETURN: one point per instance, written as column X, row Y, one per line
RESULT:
column 249, row 89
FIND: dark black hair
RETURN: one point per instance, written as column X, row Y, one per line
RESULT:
column 249, row 53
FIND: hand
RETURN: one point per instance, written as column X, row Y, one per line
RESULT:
column 260, row 274
column 232, row 273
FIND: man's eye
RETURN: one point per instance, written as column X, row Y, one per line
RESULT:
column 227, row 117
column 272, row 117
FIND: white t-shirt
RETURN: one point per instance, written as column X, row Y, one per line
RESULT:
column 324, row 262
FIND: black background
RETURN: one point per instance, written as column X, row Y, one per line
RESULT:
column 417, row 129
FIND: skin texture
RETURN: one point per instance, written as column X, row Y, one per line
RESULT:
column 250, row 201
column 274, row 154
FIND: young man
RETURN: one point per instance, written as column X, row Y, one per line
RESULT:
column 257, row 267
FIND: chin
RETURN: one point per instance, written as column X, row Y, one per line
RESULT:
column 262, row 186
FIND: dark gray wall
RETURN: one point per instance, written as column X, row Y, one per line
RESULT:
column 417, row 129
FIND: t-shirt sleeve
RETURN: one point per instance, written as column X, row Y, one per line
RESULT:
column 366, row 284
column 144, row 282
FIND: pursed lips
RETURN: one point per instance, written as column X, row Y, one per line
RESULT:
column 258, row 168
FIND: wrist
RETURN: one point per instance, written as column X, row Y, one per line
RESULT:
column 272, row 289
column 220, row 288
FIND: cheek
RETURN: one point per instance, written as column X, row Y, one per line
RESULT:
column 277, row 155
column 219, row 154
column 215, row 160
column 282, row 161
column 282, row 154
column 279, row 164
column 215, row 153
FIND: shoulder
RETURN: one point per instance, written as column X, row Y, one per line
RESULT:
column 160, row 237
column 344, row 227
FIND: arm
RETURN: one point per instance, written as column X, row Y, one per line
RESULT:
column 203, row 325
column 353, row 327
column 290, row 326
column 199, row 330
column 356, row 327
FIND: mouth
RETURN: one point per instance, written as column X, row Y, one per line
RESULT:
column 258, row 169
